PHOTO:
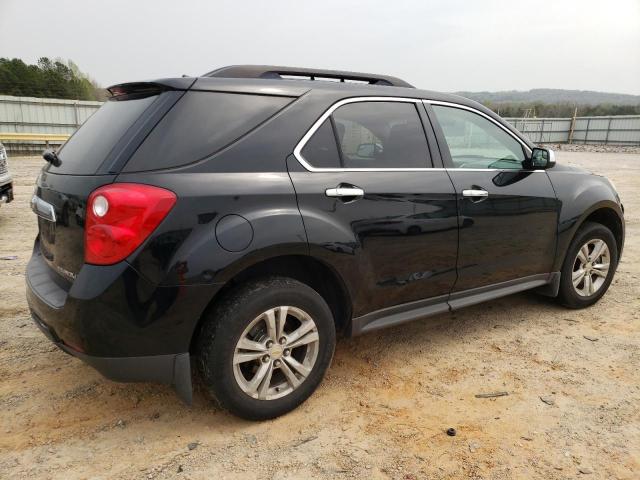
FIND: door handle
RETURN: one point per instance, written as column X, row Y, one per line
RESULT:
column 473, row 193
column 353, row 192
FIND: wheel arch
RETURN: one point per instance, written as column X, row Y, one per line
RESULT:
column 304, row 268
column 607, row 213
column 609, row 218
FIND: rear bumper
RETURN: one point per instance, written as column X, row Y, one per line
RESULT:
column 172, row 369
column 114, row 320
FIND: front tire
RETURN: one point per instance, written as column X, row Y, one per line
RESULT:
column 589, row 266
column 265, row 347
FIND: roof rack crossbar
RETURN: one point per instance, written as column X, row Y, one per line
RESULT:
column 272, row 71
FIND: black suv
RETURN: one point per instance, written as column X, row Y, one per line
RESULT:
column 245, row 217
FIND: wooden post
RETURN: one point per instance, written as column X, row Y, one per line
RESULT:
column 573, row 125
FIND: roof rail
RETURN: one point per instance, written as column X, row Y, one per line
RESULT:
column 287, row 73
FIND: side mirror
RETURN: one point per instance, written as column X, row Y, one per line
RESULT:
column 542, row 158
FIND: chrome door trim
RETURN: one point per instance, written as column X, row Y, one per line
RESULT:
column 297, row 151
column 487, row 170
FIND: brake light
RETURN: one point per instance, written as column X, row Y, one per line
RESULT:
column 120, row 217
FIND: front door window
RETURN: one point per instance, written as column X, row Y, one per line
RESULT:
column 475, row 142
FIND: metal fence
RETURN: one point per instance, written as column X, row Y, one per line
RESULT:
column 615, row 130
column 45, row 116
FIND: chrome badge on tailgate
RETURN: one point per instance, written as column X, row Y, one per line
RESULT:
column 43, row 209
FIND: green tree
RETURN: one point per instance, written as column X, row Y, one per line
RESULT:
column 46, row 79
column 560, row 109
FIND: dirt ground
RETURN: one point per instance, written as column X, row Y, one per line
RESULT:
column 572, row 377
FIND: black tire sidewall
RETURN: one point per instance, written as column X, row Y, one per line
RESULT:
column 567, row 295
column 217, row 345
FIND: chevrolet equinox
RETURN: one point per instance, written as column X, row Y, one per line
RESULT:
column 236, row 222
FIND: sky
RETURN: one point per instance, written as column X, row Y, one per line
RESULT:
column 444, row 45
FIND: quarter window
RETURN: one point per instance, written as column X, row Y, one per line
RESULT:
column 475, row 142
column 321, row 149
column 201, row 124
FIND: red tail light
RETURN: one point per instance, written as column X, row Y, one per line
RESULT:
column 120, row 217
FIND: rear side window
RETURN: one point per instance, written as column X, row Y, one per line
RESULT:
column 201, row 124
column 85, row 151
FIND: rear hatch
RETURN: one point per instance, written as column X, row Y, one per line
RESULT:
column 93, row 157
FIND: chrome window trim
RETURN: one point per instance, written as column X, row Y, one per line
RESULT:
column 297, row 151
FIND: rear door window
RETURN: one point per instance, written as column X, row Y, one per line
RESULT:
column 85, row 151
column 201, row 124
column 365, row 135
column 381, row 135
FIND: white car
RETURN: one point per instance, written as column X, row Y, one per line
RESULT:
column 6, row 185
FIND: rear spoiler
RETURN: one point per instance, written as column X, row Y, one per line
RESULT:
column 150, row 88
column 295, row 73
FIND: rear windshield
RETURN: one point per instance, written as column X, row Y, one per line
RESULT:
column 85, row 151
column 201, row 124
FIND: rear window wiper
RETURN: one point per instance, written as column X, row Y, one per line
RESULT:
column 52, row 157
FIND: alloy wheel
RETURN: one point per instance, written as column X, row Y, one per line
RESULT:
column 276, row 353
column 591, row 267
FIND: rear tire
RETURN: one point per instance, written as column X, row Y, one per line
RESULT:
column 589, row 266
column 264, row 349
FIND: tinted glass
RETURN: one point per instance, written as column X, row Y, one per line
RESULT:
column 381, row 135
column 85, row 151
column 201, row 124
column 475, row 142
column 321, row 150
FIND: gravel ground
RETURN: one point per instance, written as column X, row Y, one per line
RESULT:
column 572, row 378
column 574, row 147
